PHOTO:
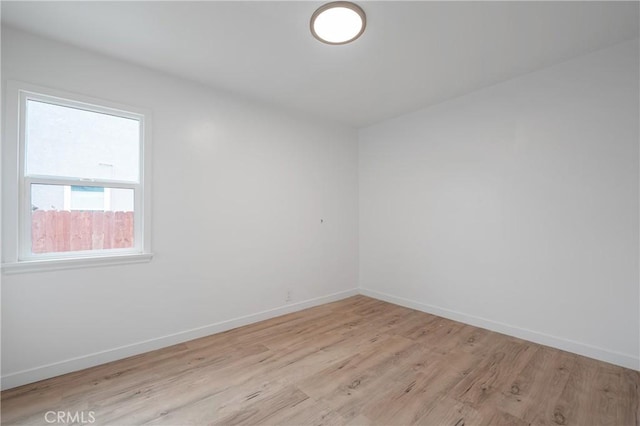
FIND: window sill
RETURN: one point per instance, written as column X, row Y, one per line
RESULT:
column 28, row 266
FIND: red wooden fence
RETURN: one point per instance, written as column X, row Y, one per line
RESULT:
column 58, row 231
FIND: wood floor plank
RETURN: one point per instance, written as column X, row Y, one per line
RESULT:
column 419, row 388
column 451, row 412
column 345, row 374
column 144, row 401
column 484, row 384
column 358, row 387
column 414, row 399
column 491, row 416
column 357, row 361
column 629, row 407
column 309, row 412
column 262, row 412
column 573, row 404
column 535, row 389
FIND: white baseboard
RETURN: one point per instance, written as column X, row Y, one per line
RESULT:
column 74, row 364
column 617, row 358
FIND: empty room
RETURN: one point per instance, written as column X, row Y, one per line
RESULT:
column 320, row 213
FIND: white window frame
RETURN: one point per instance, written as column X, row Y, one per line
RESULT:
column 17, row 250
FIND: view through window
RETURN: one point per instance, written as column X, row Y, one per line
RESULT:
column 81, row 177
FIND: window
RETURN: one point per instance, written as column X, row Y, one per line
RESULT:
column 82, row 179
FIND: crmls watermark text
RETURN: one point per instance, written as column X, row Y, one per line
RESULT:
column 82, row 417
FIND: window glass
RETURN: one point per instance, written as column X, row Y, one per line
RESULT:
column 71, row 142
column 78, row 218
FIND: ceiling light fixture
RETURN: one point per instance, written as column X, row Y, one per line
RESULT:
column 338, row 22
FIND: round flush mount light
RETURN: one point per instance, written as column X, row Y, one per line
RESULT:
column 338, row 22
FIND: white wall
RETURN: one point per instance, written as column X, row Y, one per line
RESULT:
column 239, row 190
column 515, row 207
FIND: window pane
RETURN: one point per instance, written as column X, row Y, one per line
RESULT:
column 70, row 142
column 80, row 218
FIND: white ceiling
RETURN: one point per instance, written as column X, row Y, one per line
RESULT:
column 413, row 54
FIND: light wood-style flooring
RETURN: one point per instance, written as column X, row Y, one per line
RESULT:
column 358, row 361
